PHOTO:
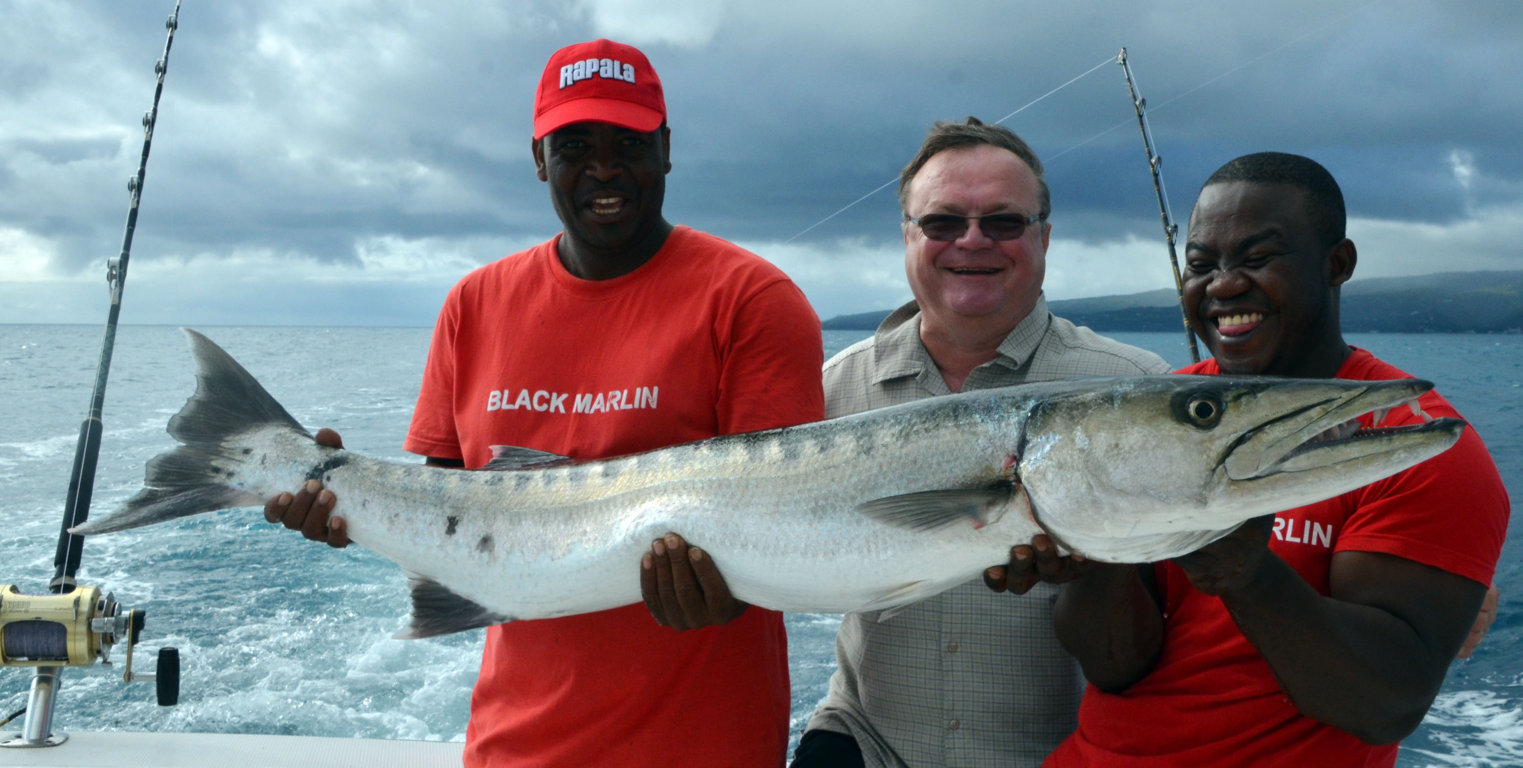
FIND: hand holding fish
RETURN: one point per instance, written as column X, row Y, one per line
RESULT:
column 1230, row 561
column 1483, row 621
column 310, row 510
column 682, row 587
column 1032, row 563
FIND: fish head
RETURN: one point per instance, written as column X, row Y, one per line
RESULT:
column 1133, row 470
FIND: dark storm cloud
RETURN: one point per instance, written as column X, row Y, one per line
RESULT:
column 308, row 132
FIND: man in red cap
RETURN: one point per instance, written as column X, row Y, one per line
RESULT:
column 535, row 350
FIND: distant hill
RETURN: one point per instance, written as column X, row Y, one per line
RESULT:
column 1448, row 302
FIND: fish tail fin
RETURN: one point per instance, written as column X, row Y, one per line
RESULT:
column 194, row 477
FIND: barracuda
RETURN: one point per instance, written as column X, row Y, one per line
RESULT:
column 868, row 512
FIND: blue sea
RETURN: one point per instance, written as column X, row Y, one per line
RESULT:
column 277, row 636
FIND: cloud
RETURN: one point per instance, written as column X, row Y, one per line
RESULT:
column 24, row 257
column 843, row 276
column 386, row 141
column 682, row 23
column 1486, row 241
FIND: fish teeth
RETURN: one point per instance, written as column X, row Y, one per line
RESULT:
column 1339, row 432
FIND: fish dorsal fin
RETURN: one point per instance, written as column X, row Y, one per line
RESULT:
column 510, row 457
column 438, row 611
column 930, row 510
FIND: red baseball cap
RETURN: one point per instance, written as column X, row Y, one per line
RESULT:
column 602, row 82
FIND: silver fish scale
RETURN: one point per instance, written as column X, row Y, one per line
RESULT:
column 766, row 506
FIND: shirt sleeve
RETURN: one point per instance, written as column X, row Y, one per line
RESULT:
column 1449, row 512
column 770, row 374
column 433, row 432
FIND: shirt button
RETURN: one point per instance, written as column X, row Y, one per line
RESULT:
column 954, row 725
column 952, row 647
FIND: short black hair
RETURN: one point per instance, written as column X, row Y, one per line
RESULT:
column 971, row 133
column 1324, row 200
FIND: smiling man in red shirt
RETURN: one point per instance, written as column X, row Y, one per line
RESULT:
column 1318, row 636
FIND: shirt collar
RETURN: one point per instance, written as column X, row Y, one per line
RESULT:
column 897, row 351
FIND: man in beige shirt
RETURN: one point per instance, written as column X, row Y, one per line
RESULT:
column 969, row 677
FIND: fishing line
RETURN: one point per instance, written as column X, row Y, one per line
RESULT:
column 1108, row 60
column 1268, row 53
column 12, row 716
column 1119, row 124
column 895, row 180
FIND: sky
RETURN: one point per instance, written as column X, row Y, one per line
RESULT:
column 344, row 162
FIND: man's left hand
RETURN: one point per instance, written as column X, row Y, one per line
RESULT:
column 1231, row 561
column 1032, row 563
column 1483, row 621
column 682, row 586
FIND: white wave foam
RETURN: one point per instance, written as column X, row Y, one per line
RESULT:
column 1473, row 729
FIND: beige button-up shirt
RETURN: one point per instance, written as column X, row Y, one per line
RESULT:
column 969, row 677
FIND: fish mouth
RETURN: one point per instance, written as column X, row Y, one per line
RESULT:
column 1327, row 433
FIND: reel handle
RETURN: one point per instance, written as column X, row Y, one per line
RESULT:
column 166, row 677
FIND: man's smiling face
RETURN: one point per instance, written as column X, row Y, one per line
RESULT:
column 1259, row 282
column 975, row 277
column 607, row 183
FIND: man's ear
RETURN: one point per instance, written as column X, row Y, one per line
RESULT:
column 666, row 147
column 1341, row 260
column 537, row 145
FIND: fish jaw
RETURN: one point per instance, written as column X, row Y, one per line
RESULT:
column 1312, row 408
column 1160, row 466
column 1322, row 451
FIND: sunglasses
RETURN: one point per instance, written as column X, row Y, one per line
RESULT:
column 946, row 227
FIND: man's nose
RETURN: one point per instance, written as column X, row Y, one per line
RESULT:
column 1226, row 283
column 974, row 236
column 603, row 166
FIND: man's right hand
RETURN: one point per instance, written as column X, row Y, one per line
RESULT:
column 310, row 510
column 1031, row 564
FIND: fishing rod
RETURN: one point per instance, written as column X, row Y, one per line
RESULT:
column 77, row 625
column 1170, row 229
column 87, row 450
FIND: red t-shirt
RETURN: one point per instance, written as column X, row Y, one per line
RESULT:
column 704, row 339
column 1211, row 699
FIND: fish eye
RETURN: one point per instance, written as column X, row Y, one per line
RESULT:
column 1204, row 411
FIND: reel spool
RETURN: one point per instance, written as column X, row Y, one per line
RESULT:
column 76, row 629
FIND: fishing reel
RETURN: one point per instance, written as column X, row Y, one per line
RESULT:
column 75, row 629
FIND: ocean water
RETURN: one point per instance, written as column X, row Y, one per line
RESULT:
column 277, row 636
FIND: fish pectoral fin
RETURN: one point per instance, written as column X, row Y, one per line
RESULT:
column 438, row 611
column 929, row 510
column 510, row 457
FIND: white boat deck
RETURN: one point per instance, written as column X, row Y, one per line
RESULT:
column 184, row 750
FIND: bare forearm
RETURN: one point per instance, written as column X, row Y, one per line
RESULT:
column 1108, row 621
column 1348, row 663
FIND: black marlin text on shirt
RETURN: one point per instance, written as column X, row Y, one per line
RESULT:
column 1307, row 532
column 583, row 402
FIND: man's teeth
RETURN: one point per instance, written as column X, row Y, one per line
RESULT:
column 1230, row 321
column 606, row 204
